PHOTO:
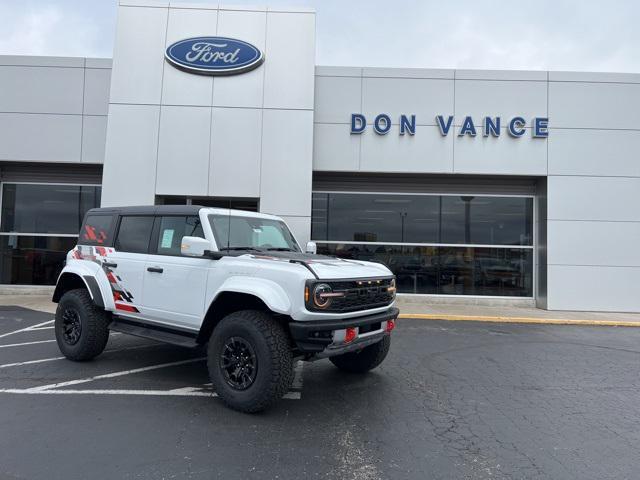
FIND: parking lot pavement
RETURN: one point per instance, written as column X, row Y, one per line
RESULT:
column 453, row 400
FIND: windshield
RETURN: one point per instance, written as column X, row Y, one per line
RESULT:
column 251, row 233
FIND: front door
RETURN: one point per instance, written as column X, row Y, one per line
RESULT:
column 175, row 285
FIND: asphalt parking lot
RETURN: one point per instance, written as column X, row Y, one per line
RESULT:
column 453, row 400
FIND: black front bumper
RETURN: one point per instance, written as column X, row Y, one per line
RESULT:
column 314, row 336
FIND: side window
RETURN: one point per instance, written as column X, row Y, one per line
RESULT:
column 96, row 230
column 172, row 229
column 134, row 234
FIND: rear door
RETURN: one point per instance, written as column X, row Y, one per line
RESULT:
column 125, row 266
column 175, row 285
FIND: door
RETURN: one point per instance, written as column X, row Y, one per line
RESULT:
column 175, row 285
column 125, row 265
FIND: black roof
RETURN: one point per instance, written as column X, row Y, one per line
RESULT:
column 150, row 210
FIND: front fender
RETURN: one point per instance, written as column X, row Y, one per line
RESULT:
column 272, row 294
column 98, row 286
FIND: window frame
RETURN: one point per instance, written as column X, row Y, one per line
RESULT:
column 533, row 246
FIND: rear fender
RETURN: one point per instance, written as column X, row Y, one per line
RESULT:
column 93, row 277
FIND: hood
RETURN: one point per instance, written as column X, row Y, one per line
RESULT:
column 330, row 268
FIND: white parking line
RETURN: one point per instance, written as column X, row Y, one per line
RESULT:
column 25, row 343
column 43, row 360
column 30, row 362
column 201, row 391
column 114, row 374
column 26, row 329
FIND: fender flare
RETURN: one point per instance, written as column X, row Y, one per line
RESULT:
column 94, row 279
column 271, row 294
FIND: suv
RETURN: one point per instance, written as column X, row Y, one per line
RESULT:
column 235, row 282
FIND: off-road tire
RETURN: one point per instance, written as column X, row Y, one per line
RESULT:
column 94, row 326
column 364, row 360
column 271, row 345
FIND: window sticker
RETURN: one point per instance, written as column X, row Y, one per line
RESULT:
column 167, row 238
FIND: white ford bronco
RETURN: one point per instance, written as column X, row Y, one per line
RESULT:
column 235, row 283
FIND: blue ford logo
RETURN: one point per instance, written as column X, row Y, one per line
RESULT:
column 214, row 56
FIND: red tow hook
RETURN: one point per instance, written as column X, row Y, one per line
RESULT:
column 391, row 324
column 350, row 335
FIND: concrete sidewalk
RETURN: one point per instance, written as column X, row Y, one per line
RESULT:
column 414, row 307
column 419, row 307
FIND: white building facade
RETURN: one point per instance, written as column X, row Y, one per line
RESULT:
column 516, row 185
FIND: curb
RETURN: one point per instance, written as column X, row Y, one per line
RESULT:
column 530, row 320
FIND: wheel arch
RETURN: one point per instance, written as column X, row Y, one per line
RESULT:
column 227, row 302
column 71, row 280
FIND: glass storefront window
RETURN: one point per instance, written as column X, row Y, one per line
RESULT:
column 46, row 208
column 27, row 260
column 437, row 219
column 448, row 270
column 435, row 244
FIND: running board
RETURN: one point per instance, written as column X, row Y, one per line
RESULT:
column 154, row 332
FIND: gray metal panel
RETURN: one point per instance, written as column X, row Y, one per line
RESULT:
column 183, row 151
column 595, row 288
column 97, row 82
column 415, row 183
column 336, row 98
column 594, row 243
column 541, row 242
column 94, row 138
column 594, row 198
column 41, row 89
column 594, row 152
column 40, row 137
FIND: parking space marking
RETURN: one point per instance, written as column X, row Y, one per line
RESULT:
column 201, row 391
column 114, row 374
column 27, row 329
column 26, row 343
column 30, row 362
column 43, row 360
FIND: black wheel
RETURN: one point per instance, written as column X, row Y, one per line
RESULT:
column 250, row 361
column 81, row 327
column 364, row 360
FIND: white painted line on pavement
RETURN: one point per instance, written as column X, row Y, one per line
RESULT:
column 169, row 393
column 26, row 329
column 25, row 343
column 43, row 360
column 114, row 374
column 30, row 362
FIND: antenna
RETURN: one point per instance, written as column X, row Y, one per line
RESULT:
column 229, row 228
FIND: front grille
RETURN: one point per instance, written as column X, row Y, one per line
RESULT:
column 359, row 294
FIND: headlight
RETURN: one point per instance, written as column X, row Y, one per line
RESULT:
column 322, row 295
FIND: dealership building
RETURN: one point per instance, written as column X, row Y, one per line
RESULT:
column 511, row 186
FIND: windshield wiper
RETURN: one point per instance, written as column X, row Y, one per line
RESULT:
column 280, row 249
column 252, row 249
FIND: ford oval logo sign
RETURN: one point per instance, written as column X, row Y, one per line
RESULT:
column 214, row 56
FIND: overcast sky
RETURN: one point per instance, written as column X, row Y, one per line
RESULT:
column 515, row 34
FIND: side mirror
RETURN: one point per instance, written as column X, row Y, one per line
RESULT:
column 312, row 247
column 194, row 246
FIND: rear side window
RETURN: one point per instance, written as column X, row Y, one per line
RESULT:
column 134, row 234
column 171, row 231
column 96, row 230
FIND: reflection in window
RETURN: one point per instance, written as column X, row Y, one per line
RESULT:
column 42, row 208
column 422, row 219
column 28, row 260
column 448, row 270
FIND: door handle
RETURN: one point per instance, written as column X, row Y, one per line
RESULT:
column 110, row 265
column 155, row 269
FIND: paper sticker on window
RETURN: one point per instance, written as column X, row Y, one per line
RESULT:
column 167, row 238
